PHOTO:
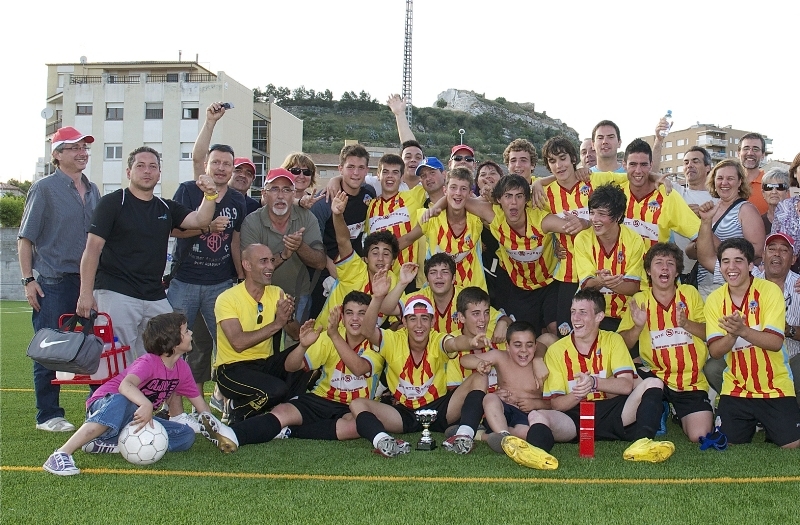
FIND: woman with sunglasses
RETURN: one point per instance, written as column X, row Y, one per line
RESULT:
column 787, row 213
column 774, row 188
column 305, row 175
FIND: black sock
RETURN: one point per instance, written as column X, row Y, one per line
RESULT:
column 472, row 411
column 323, row 429
column 369, row 426
column 258, row 429
column 540, row 435
column 648, row 414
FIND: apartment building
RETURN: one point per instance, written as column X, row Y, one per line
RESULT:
column 722, row 142
column 125, row 105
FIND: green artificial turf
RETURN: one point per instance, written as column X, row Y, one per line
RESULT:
column 310, row 482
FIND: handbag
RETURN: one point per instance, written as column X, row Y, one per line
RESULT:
column 66, row 350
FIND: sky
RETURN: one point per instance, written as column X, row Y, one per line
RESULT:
column 713, row 62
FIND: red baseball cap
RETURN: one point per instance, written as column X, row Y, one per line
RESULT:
column 417, row 304
column 780, row 235
column 278, row 173
column 238, row 161
column 460, row 147
column 69, row 135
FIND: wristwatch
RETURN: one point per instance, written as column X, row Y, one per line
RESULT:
column 26, row 280
column 791, row 331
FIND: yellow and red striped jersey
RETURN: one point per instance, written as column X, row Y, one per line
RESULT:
column 414, row 384
column 674, row 355
column 337, row 382
column 625, row 258
column 528, row 258
column 609, row 357
column 398, row 215
column 657, row 215
column 465, row 249
column 752, row 371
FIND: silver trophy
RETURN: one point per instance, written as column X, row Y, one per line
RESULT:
column 426, row 417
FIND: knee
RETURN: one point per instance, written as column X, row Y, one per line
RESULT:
column 358, row 405
column 181, row 439
column 535, row 417
column 652, row 382
column 491, row 400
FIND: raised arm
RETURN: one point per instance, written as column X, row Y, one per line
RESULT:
column 357, row 364
column 308, row 336
column 214, row 112
column 338, row 205
column 380, row 287
column 391, row 303
column 398, row 107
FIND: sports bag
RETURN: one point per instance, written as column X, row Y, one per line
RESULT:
column 65, row 350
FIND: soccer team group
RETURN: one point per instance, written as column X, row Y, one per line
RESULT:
column 499, row 300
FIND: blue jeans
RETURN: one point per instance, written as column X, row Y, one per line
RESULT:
column 60, row 297
column 115, row 411
column 189, row 299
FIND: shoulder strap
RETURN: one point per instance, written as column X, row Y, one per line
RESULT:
column 732, row 206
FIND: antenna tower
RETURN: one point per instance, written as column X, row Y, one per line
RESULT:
column 407, row 59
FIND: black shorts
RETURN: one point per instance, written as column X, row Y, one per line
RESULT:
column 566, row 291
column 607, row 420
column 514, row 416
column 780, row 418
column 410, row 423
column 686, row 402
column 314, row 408
column 537, row 307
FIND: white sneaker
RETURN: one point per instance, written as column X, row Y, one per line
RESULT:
column 188, row 420
column 56, row 424
column 218, row 433
column 61, row 464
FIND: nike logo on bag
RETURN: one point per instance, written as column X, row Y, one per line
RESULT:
column 46, row 343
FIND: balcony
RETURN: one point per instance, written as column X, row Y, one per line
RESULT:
column 123, row 79
column 200, row 78
column 85, row 79
column 52, row 128
column 708, row 141
column 718, row 155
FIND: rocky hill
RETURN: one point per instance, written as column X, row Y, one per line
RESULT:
column 489, row 124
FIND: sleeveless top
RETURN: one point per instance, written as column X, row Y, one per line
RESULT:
column 728, row 228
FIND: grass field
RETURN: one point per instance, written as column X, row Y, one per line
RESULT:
column 306, row 482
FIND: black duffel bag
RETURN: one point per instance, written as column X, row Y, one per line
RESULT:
column 65, row 350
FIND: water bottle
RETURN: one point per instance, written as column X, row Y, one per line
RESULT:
column 668, row 118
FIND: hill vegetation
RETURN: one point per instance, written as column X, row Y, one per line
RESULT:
column 490, row 124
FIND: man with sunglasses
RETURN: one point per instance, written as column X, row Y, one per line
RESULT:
column 52, row 236
column 463, row 156
column 249, row 372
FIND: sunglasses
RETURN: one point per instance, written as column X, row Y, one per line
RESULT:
column 771, row 186
column 459, row 158
column 298, row 171
column 260, row 318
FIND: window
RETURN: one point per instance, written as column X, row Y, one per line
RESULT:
column 667, row 157
column 680, row 169
column 62, row 77
column 154, row 110
column 186, row 150
column 681, row 142
column 108, row 188
column 191, row 110
column 679, row 156
column 113, row 152
column 114, row 111
column 172, row 77
column 735, row 141
column 668, row 144
column 84, row 109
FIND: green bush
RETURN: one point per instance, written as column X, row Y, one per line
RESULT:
column 11, row 207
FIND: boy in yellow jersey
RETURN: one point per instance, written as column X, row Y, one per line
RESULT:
column 395, row 210
column 594, row 365
column 455, row 232
column 415, row 358
column 667, row 321
column 608, row 256
column 526, row 251
column 349, row 371
column 354, row 272
column 745, row 320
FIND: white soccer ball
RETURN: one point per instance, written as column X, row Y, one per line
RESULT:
column 144, row 447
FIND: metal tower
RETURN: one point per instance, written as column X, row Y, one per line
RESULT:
column 407, row 59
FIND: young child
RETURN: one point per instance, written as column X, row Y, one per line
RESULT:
column 135, row 394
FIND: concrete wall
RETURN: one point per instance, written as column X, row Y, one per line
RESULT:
column 10, row 276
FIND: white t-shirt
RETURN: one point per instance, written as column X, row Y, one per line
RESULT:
column 691, row 197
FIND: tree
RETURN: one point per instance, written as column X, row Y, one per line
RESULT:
column 11, row 207
column 24, row 185
column 441, row 103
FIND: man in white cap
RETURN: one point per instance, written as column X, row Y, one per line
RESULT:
column 52, row 236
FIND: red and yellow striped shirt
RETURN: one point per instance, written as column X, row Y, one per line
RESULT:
column 465, row 249
column 398, row 215
column 528, row 258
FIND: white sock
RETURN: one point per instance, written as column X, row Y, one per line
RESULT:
column 464, row 430
column 380, row 436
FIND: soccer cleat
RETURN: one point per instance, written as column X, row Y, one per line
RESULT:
column 61, row 464
column 459, row 444
column 646, row 449
column 527, row 455
column 285, row 433
column 390, row 447
column 495, row 441
column 221, row 435
column 56, row 424
column 96, row 446
column 190, row 420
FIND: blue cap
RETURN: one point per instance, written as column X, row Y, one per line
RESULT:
column 430, row 162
